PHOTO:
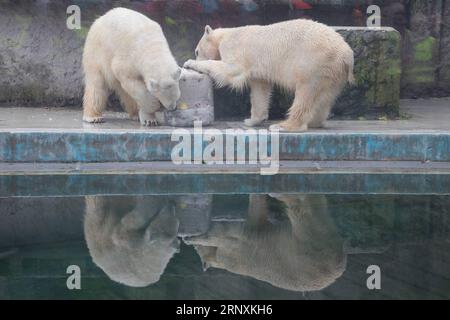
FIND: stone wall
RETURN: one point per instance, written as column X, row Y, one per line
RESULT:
column 40, row 59
column 444, row 60
column 422, row 51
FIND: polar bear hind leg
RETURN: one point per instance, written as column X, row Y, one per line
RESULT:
column 325, row 102
column 302, row 110
column 312, row 104
column 95, row 97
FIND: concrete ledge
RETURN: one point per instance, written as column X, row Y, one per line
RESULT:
column 59, row 135
column 126, row 145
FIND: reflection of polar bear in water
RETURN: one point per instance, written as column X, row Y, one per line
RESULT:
column 301, row 253
column 131, row 238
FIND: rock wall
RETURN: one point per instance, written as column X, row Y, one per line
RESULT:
column 444, row 61
column 40, row 59
column 422, row 51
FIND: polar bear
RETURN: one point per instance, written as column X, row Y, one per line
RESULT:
column 300, row 55
column 132, row 239
column 302, row 252
column 127, row 52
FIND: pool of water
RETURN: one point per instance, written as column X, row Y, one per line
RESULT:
column 225, row 246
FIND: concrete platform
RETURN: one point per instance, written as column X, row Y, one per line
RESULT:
column 59, row 135
column 427, row 115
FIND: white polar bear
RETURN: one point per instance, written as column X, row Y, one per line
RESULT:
column 301, row 253
column 307, row 57
column 127, row 52
column 132, row 239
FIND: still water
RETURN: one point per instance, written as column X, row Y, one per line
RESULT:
column 225, row 246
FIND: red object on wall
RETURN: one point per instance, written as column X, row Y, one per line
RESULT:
column 301, row 5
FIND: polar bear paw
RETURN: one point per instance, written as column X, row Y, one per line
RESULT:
column 281, row 127
column 253, row 122
column 189, row 64
column 93, row 119
column 277, row 126
column 149, row 123
column 148, row 120
column 193, row 65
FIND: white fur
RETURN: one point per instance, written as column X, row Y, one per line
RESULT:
column 127, row 52
column 304, row 56
column 132, row 239
column 301, row 253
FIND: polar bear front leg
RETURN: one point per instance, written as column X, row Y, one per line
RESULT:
column 224, row 74
column 147, row 119
column 147, row 103
column 147, row 115
column 260, row 100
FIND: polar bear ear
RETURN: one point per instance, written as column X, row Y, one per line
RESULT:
column 208, row 30
column 177, row 74
column 153, row 85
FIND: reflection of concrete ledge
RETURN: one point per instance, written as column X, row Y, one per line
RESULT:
column 72, row 184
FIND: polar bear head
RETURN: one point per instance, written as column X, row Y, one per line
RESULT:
column 207, row 47
column 132, row 239
column 166, row 89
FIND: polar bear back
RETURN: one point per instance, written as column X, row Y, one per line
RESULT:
column 276, row 51
column 127, row 35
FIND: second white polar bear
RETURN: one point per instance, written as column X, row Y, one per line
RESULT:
column 304, row 56
column 127, row 52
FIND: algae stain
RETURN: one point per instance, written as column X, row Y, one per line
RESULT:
column 169, row 21
column 423, row 51
column 82, row 32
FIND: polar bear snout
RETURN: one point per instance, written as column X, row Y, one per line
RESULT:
column 171, row 103
column 168, row 93
column 172, row 107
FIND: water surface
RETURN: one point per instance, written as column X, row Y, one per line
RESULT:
column 225, row 246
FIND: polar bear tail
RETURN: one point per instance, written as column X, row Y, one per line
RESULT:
column 349, row 65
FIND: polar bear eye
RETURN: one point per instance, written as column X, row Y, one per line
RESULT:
column 196, row 52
